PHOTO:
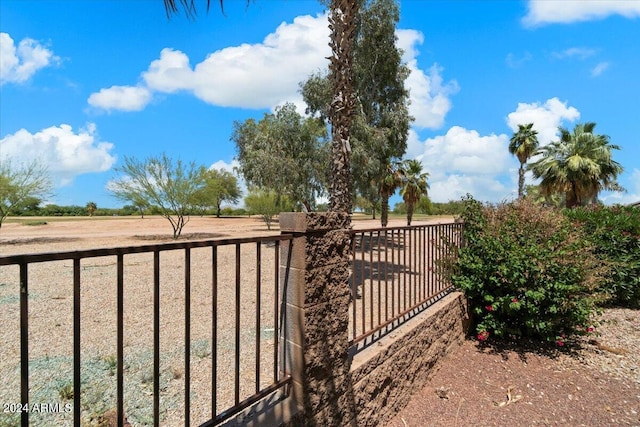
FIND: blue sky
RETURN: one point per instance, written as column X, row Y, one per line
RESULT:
column 85, row 83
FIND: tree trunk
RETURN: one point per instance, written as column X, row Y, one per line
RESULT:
column 384, row 210
column 342, row 22
column 571, row 199
column 410, row 208
column 521, row 181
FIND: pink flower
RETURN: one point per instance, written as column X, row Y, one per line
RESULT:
column 514, row 299
column 591, row 329
column 560, row 343
column 483, row 335
column 489, row 307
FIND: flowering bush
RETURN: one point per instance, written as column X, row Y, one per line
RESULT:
column 615, row 234
column 527, row 272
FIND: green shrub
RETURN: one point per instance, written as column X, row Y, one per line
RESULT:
column 527, row 272
column 615, row 234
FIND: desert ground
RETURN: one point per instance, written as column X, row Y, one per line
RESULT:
column 51, row 315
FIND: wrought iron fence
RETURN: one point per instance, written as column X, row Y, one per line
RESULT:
column 397, row 271
column 221, row 348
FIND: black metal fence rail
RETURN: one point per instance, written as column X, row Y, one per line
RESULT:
column 240, row 401
column 396, row 271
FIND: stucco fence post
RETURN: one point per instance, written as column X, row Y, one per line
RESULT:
column 317, row 312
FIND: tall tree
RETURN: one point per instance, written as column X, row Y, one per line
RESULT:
column 580, row 165
column 286, row 153
column 414, row 185
column 523, row 144
column 161, row 182
column 91, row 208
column 19, row 183
column 220, row 186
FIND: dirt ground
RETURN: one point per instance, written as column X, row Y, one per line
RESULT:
column 51, row 308
column 17, row 236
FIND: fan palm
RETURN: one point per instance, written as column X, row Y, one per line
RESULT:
column 415, row 185
column 342, row 23
column 523, row 145
column 391, row 181
column 578, row 165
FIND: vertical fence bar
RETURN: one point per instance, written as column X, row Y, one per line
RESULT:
column 393, row 273
column 237, row 321
column 428, row 246
column 214, row 331
column 404, row 268
column 371, row 279
column 423, row 256
column 276, row 332
column 258, row 267
column 386, row 276
column 156, row 338
column 378, row 271
column 283, row 322
column 187, row 337
column 76, row 343
column 24, row 343
column 412, row 262
column 364, row 299
column 120, row 339
column 354, row 286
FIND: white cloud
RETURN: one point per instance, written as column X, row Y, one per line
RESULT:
column 514, row 61
column 258, row 75
column 123, row 98
column 566, row 11
column 19, row 64
column 599, row 69
column 267, row 74
column 463, row 161
column 575, row 52
column 64, row 152
column 545, row 118
column 483, row 188
column 429, row 96
column 632, row 195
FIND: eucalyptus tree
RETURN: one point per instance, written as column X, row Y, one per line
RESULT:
column 523, row 144
column 580, row 165
column 285, row 153
column 20, row 184
column 342, row 25
column 159, row 181
column 414, row 185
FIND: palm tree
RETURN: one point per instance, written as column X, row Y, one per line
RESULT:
column 578, row 165
column 415, row 186
column 391, row 181
column 522, row 145
column 342, row 23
